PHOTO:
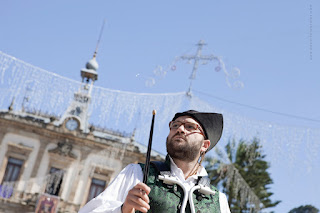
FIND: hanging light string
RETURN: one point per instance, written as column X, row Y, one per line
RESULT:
column 257, row 108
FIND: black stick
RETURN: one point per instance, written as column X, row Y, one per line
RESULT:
column 147, row 164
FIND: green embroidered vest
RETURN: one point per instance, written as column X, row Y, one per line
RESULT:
column 168, row 198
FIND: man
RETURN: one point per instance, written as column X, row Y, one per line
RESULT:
column 177, row 184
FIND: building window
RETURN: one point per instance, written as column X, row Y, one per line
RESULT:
column 54, row 181
column 11, row 175
column 97, row 186
column 13, row 170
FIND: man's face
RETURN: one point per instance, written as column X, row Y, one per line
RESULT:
column 184, row 144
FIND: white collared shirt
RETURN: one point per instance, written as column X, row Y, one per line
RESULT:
column 111, row 199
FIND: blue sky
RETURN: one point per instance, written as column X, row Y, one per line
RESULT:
column 274, row 44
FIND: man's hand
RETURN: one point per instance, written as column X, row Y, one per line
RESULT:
column 137, row 199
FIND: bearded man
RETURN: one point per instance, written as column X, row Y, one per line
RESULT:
column 180, row 184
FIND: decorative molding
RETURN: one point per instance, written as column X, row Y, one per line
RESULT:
column 65, row 149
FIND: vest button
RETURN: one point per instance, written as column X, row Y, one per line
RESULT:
column 179, row 206
column 175, row 188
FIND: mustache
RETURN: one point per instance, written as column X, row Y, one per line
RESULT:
column 180, row 135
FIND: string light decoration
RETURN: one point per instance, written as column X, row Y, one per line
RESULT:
column 231, row 77
column 50, row 94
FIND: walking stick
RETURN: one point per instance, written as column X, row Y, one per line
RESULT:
column 147, row 164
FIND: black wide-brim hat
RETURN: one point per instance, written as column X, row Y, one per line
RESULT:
column 211, row 123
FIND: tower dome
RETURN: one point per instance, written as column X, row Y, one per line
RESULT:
column 90, row 72
column 92, row 64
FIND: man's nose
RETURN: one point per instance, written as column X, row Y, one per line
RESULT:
column 181, row 128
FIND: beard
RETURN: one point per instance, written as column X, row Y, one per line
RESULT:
column 183, row 150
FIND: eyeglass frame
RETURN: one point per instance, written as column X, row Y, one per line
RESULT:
column 192, row 131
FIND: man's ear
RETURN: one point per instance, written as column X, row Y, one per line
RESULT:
column 205, row 145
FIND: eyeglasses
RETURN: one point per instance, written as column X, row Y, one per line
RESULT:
column 191, row 127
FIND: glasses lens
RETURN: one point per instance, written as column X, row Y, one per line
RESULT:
column 191, row 126
column 188, row 126
column 175, row 124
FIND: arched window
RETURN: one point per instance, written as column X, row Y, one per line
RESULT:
column 54, row 181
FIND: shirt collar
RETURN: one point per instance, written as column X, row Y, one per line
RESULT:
column 175, row 170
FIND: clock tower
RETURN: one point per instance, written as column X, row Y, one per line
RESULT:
column 76, row 116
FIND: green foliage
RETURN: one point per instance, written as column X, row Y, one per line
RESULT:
column 244, row 178
column 305, row 209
